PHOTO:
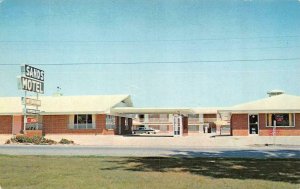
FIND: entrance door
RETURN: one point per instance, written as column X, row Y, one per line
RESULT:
column 253, row 124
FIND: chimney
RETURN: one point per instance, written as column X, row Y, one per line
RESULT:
column 275, row 93
column 57, row 93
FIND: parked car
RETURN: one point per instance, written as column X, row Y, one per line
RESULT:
column 143, row 130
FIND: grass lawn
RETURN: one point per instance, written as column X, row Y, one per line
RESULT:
column 146, row 172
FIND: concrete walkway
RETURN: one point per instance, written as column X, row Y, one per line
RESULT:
column 195, row 141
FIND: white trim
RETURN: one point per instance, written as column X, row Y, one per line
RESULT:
column 281, row 126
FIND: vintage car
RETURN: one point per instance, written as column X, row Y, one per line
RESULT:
column 144, row 130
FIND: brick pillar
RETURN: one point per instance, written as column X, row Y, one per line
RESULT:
column 185, row 124
column 130, row 126
column 117, row 125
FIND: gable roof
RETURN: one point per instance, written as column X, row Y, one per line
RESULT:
column 275, row 104
column 68, row 104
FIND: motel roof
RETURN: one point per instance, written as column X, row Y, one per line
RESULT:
column 155, row 110
column 133, row 110
column 51, row 105
column 275, row 104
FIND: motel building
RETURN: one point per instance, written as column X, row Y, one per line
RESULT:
column 278, row 115
column 68, row 115
column 194, row 120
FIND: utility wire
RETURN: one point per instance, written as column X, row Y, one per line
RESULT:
column 158, row 62
column 142, row 41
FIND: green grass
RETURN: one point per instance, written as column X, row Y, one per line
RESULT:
column 146, row 172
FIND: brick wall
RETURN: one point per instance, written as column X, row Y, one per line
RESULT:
column 6, row 124
column 55, row 124
column 280, row 131
column 239, row 124
column 58, row 124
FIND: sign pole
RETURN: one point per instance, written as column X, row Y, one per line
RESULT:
column 25, row 115
column 37, row 116
column 274, row 132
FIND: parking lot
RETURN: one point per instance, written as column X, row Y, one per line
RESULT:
column 196, row 140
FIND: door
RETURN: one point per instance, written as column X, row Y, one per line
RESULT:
column 253, row 124
column 17, row 125
column 177, row 125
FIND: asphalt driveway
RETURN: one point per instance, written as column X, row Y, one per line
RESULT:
column 73, row 150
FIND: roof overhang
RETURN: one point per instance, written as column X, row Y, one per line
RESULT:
column 131, row 110
column 259, row 111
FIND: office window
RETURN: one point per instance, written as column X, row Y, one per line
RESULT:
column 82, row 121
column 110, row 122
column 281, row 119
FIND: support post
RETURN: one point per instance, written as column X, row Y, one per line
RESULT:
column 25, row 113
column 274, row 133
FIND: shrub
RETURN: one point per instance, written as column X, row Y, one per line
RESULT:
column 37, row 139
column 49, row 141
column 7, row 141
column 66, row 141
column 33, row 140
column 23, row 139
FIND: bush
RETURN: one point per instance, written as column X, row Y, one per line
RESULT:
column 37, row 139
column 66, row 141
column 49, row 141
column 7, row 141
column 33, row 140
column 23, row 139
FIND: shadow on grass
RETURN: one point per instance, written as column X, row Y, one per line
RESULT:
column 284, row 170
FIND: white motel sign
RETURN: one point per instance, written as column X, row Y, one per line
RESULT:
column 28, row 84
column 32, row 79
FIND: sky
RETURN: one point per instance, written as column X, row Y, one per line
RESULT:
column 163, row 53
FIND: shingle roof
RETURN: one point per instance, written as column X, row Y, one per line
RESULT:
column 275, row 104
column 67, row 104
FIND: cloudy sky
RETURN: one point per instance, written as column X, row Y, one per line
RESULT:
column 163, row 53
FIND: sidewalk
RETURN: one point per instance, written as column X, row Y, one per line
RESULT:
column 207, row 140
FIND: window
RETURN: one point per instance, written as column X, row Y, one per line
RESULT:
column 193, row 115
column 110, row 122
column 281, row 120
column 193, row 127
column 153, row 115
column 82, row 121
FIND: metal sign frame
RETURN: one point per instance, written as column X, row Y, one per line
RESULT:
column 32, row 80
